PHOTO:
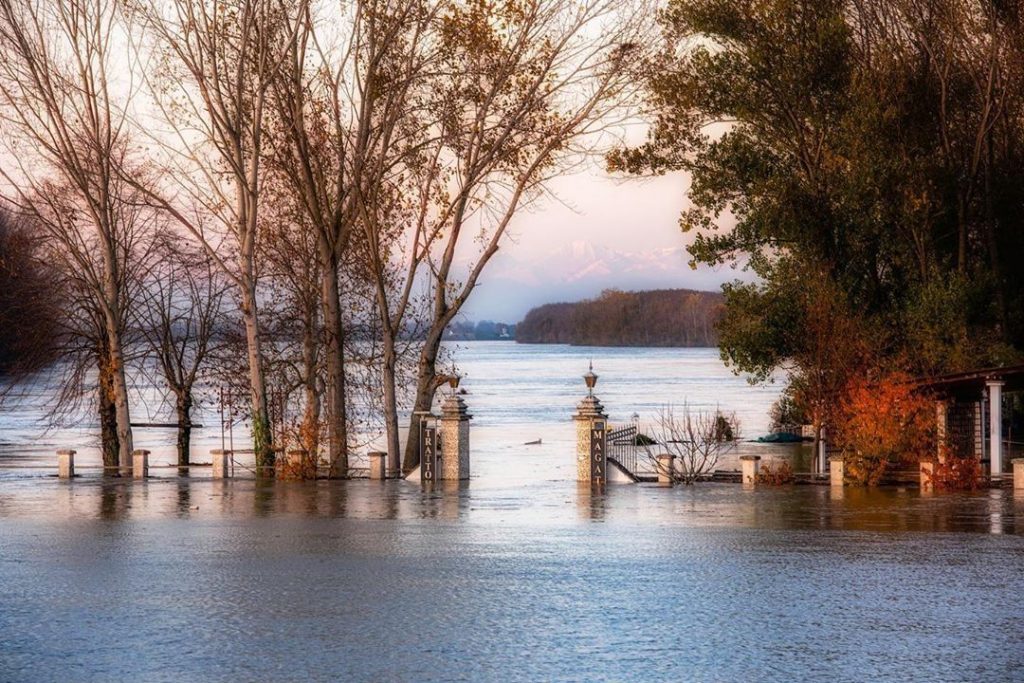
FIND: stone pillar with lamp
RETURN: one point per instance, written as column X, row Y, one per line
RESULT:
column 454, row 435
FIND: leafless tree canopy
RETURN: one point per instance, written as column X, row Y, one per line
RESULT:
column 696, row 438
column 329, row 179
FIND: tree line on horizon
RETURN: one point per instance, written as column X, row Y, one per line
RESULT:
column 290, row 198
column 664, row 317
column 869, row 156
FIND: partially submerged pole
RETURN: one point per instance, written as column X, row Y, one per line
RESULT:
column 750, row 467
column 836, row 471
column 140, row 464
column 666, row 469
column 66, row 463
column 220, row 459
column 378, row 465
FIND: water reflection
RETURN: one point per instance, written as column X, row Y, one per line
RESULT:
column 591, row 501
column 996, row 511
column 587, row 581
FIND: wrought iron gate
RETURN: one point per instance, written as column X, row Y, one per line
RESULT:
column 622, row 448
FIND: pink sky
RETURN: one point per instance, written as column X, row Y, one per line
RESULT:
column 607, row 231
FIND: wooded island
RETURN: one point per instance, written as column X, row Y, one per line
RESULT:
column 662, row 317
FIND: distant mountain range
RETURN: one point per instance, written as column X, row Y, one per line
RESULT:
column 512, row 285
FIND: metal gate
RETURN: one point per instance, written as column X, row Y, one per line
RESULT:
column 622, row 448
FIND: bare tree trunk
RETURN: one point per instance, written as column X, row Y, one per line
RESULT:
column 108, row 420
column 311, row 417
column 426, row 387
column 118, row 388
column 261, row 439
column 337, row 413
column 184, row 411
column 391, row 403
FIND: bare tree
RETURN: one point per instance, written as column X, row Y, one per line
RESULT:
column 293, row 315
column 524, row 92
column 216, row 64
column 179, row 316
column 67, row 151
column 311, row 143
column 697, row 439
column 30, row 301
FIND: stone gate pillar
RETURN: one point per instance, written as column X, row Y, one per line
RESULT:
column 454, row 439
column 588, row 411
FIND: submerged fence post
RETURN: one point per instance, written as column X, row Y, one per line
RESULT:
column 836, row 471
column 66, row 463
column 750, row 467
column 378, row 464
column 1018, row 474
column 927, row 475
column 140, row 464
column 666, row 469
column 220, row 463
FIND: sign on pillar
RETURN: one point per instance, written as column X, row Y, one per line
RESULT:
column 598, row 453
column 428, row 455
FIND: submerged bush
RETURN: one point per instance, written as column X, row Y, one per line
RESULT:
column 956, row 474
column 776, row 476
column 882, row 423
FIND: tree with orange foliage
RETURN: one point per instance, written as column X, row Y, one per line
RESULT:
column 884, row 422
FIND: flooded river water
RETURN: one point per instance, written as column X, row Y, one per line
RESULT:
column 518, row 575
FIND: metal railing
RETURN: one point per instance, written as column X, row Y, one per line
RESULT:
column 622, row 448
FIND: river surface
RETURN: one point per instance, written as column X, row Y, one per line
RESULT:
column 517, row 575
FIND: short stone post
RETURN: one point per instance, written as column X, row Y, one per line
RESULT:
column 1018, row 474
column 295, row 457
column 750, row 467
column 140, row 464
column 221, row 463
column 836, row 471
column 927, row 475
column 378, row 465
column 454, row 438
column 666, row 469
column 66, row 463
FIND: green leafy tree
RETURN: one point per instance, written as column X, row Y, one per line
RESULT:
column 860, row 158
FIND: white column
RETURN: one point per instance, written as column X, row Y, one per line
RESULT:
column 822, row 454
column 995, row 426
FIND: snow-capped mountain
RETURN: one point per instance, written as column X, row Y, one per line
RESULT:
column 512, row 285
